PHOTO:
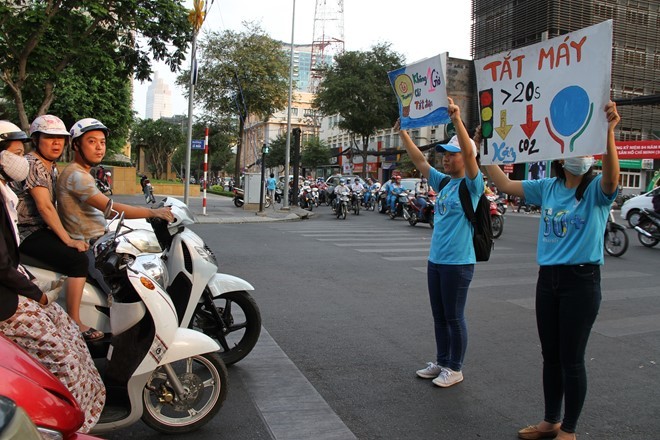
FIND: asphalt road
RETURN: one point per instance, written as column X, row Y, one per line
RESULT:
column 346, row 303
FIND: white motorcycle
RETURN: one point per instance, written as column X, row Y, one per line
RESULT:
column 152, row 368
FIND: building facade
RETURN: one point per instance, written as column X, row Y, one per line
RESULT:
column 159, row 99
column 501, row 25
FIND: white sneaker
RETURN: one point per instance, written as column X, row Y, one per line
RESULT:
column 432, row 370
column 448, row 377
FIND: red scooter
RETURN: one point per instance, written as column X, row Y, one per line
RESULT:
column 47, row 402
column 419, row 215
column 496, row 217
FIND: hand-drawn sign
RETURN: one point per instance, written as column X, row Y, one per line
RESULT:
column 547, row 100
column 422, row 94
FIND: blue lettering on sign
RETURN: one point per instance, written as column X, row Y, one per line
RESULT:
column 503, row 154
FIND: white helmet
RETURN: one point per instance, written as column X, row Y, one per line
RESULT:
column 88, row 124
column 10, row 132
column 48, row 124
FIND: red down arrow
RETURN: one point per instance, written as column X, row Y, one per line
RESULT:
column 530, row 126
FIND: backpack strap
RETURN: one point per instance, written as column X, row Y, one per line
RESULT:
column 443, row 183
column 466, row 203
column 582, row 187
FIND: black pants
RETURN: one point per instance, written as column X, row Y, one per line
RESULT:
column 44, row 245
column 567, row 303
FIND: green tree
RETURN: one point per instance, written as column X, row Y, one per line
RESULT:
column 159, row 139
column 276, row 157
column 241, row 73
column 315, row 153
column 40, row 39
column 357, row 88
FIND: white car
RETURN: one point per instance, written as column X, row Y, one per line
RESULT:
column 631, row 207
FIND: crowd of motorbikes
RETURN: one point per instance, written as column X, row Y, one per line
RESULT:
column 172, row 323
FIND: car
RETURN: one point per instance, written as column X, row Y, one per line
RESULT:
column 333, row 181
column 409, row 183
column 631, row 207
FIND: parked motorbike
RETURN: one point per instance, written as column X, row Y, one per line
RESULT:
column 35, row 391
column 648, row 228
column 278, row 195
column 616, row 239
column 342, row 201
column 496, row 217
column 154, row 367
column 103, row 186
column 238, row 197
column 419, row 214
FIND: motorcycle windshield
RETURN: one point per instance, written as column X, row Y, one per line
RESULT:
column 138, row 242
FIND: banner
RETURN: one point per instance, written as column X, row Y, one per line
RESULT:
column 546, row 101
column 422, row 93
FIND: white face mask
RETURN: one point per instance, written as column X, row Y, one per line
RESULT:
column 14, row 167
column 577, row 166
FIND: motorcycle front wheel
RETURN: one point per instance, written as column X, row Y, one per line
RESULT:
column 616, row 242
column 204, row 379
column 238, row 202
column 235, row 323
column 344, row 211
column 497, row 222
column 412, row 219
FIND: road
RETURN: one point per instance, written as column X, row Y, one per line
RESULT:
column 345, row 311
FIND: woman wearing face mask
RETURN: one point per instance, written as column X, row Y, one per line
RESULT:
column 28, row 314
column 568, row 293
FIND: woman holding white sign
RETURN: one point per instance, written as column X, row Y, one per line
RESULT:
column 574, row 209
column 452, row 256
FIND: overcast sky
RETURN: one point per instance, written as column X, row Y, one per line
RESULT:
column 416, row 28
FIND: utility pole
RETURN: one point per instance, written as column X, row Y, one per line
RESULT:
column 296, row 164
column 264, row 152
column 285, row 201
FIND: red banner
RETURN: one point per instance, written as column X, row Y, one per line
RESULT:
column 638, row 149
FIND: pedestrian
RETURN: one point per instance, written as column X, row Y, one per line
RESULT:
column 568, row 291
column 42, row 235
column 271, row 186
column 29, row 315
column 452, row 257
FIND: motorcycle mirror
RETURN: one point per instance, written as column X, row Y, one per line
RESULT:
column 110, row 213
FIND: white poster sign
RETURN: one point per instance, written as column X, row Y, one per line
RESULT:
column 546, row 101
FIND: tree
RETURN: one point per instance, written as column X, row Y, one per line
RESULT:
column 315, row 153
column 220, row 142
column 159, row 139
column 241, row 73
column 357, row 88
column 276, row 157
column 40, row 39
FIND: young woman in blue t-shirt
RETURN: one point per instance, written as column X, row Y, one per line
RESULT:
column 452, row 258
column 568, row 294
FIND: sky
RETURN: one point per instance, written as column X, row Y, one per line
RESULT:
column 416, row 29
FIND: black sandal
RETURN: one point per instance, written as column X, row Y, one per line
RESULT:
column 91, row 334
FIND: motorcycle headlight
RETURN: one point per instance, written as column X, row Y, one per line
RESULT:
column 49, row 434
column 155, row 268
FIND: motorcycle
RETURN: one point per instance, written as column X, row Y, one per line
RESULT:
column 153, row 367
column 356, row 197
column 401, row 207
column 238, row 197
column 496, row 217
column 342, row 201
column 616, row 239
column 103, row 186
column 372, row 201
column 148, row 190
column 381, row 201
column 648, row 228
column 39, row 394
column 419, row 214
column 278, row 195
column 216, row 304
column 305, row 198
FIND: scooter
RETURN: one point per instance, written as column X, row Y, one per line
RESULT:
column 356, row 197
column 238, row 197
column 422, row 215
column 153, row 367
column 35, row 391
column 496, row 217
column 342, row 201
column 104, row 185
column 401, row 206
column 616, row 239
column 648, row 228
column 216, row 304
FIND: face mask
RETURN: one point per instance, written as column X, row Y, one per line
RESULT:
column 15, row 168
column 577, row 166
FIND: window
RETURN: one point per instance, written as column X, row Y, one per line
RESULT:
column 634, row 57
column 637, row 17
column 308, row 112
column 630, row 179
column 294, row 111
column 603, row 11
column 630, row 134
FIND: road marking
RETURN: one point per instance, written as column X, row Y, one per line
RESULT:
column 379, row 244
column 389, row 238
column 397, row 250
column 288, row 403
column 424, row 258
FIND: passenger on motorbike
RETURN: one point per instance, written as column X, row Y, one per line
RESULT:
column 42, row 235
column 421, row 193
column 395, row 189
column 82, row 207
column 28, row 314
column 357, row 188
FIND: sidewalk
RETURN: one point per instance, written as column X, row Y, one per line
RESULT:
column 221, row 210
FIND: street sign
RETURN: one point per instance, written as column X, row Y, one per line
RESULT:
column 197, row 144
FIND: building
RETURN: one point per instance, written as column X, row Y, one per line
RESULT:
column 501, row 25
column 159, row 99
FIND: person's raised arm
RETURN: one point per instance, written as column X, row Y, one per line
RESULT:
column 499, row 178
column 610, row 179
column 100, row 201
column 415, row 153
column 469, row 156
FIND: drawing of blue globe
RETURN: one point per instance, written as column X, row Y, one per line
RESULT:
column 569, row 110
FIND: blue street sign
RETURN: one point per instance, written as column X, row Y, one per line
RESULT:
column 197, row 144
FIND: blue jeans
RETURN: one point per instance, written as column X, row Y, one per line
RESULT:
column 448, row 286
column 567, row 303
column 391, row 201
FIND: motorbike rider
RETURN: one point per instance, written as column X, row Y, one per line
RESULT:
column 357, row 188
column 421, row 193
column 394, row 190
column 29, row 315
column 42, row 235
column 82, row 207
column 340, row 189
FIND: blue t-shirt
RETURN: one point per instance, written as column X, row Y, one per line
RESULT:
column 451, row 242
column 570, row 232
column 272, row 183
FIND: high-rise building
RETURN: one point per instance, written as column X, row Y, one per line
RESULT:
column 302, row 65
column 159, row 99
column 501, row 25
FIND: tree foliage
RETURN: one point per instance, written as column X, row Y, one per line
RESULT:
column 159, row 140
column 357, row 88
column 276, row 156
column 315, row 153
column 39, row 40
column 241, row 73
